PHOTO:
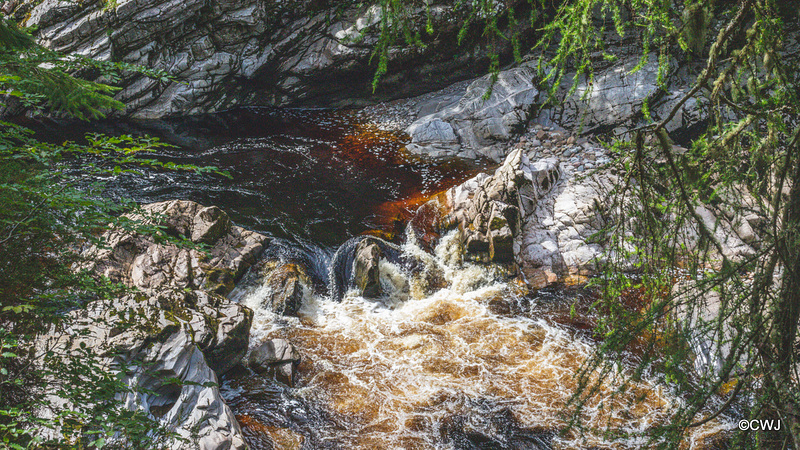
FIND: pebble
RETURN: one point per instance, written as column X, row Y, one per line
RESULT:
column 577, row 154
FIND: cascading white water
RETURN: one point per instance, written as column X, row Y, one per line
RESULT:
column 394, row 373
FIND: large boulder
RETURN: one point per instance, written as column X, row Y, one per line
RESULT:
column 224, row 53
column 357, row 265
column 489, row 210
column 161, row 344
column 282, row 287
column 139, row 260
column 366, row 270
column 473, row 124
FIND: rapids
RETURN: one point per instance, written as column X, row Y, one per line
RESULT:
column 472, row 362
column 445, row 370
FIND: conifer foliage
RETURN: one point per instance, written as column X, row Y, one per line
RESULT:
column 738, row 314
column 50, row 207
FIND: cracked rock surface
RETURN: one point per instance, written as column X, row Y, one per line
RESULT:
column 177, row 334
column 140, row 261
column 224, row 53
column 172, row 345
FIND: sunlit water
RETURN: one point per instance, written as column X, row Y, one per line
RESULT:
column 443, row 370
column 472, row 362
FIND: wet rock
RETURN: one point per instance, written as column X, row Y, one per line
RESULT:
column 476, row 124
column 277, row 357
column 356, row 265
column 288, row 283
column 366, row 273
column 140, row 261
column 494, row 428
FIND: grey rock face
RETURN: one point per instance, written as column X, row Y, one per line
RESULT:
column 559, row 237
column 139, row 261
column 275, row 356
column 614, row 100
column 615, row 97
column 474, row 123
column 225, row 53
column 567, row 232
column 490, row 210
column 162, row 338
column 179, row 326
column 711, row 337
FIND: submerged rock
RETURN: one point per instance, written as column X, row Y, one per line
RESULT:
column 496, row 428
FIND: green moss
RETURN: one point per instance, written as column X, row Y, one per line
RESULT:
column 218, row 280
column 497, row 223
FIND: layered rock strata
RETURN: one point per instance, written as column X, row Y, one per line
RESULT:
column 173, row 337
column 223, row 53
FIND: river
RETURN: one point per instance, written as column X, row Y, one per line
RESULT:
column 475, row 361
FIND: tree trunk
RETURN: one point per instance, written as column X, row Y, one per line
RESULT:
column 787, row 310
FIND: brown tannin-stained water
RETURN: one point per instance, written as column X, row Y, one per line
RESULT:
column 470, row 363
column 448, row 370
column 308, row 175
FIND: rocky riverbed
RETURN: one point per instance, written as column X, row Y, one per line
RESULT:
column 406, row 277
column 425, row 341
